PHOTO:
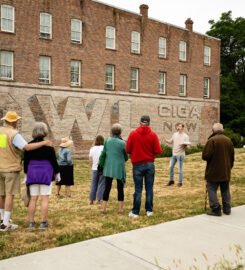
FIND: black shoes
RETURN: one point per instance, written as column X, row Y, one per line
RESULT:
column 179, row 185
column 214, row 212
column 170, row 183
column 227, row 212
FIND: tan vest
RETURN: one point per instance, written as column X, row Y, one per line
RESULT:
column 10, row 160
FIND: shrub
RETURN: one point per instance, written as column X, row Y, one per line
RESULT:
column 237, row 140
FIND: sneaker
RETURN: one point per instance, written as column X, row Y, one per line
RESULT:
column 170, row 183
column 131, row 214
column 44, row 225
column 227, row 212
column 10, row 226
column 32, row 225
column 149, row 213
column 179, row 185
column 10, row 221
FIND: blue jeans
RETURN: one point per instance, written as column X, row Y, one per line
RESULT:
column 146, row 171
column 179, row 160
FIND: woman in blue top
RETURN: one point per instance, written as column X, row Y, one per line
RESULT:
column 65, row 166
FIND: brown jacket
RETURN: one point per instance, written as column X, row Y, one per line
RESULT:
column 219, row 154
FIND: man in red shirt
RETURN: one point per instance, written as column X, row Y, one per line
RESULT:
column 143, row 144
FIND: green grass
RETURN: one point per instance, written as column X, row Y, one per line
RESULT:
column 73, row 219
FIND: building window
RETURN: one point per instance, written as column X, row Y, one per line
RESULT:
column 76, row 31
column 135, row 42
column 45, row 25
column 162, row 47
column 109, row 77
column 7, row 18
column 75, row 73
column 182, row 51
column 182, row 85
column 110, row 37
column 162, row 83
column 7, row 59
column 206, row 87
column 207, row 55
column 44, row 75
column 134, row 75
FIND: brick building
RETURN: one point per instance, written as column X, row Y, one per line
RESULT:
column 81, row 65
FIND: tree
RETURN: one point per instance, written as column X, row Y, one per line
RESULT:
column 232, row 104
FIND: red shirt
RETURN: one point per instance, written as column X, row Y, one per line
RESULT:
column 143, row 145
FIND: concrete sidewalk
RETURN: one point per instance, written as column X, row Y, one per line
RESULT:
column 172, row 245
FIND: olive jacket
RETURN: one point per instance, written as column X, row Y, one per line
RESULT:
column 219, row 154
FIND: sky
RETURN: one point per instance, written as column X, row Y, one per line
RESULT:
column 177, row 11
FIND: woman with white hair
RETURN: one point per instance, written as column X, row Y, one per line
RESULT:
column 40, row 166
column 114, row 166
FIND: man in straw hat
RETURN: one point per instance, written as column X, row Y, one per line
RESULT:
column 11, row 142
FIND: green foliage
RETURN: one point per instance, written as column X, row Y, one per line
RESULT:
column 237, row 140
column 167, row 150
column 232, row 35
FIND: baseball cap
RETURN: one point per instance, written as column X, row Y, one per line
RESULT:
column 145, row 119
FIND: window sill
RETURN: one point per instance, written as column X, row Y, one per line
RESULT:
column 135, row 53
column 7, row 32
column 43, row 38
column 162, row 57
column 206, row 65
column 134, row 90
column 7, row 80
column 44, row 83
column 182, row 95
column 76, row 43
column 110, row 49
column 182, row 61
column 206, row 97
column 162, row 94
column 110, row 89
column 76, row 86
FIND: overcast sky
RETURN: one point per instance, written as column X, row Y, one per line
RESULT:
column 177, row 11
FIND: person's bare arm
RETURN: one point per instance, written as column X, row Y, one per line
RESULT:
column 90, row 161
column 166, row 140
column 33, row 146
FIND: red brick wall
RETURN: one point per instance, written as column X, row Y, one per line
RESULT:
column 27, row 46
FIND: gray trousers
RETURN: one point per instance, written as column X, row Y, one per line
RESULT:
column 212, row 188
column 97, row 186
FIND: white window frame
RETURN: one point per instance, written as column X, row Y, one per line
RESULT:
column 110, row 38
column 136, row 89
column 162, row 47
column 11, row 66
column 75, row 40
column 45, row 80
column 3, row 17
column 162, row 82
column 182, row 85
column 76, row 83
column 135, row 42
column 182, row 50
column 109, row 80
column 207, row 56
column 206, row 87
column 46, row 34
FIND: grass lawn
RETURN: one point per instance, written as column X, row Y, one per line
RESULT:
column 73, row 219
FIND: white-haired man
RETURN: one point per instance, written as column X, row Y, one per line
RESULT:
column 11, row 142
column 219, row 154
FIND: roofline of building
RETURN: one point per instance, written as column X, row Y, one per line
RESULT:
column 156, row 20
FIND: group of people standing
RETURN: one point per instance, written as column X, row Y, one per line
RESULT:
column 107, row 159
column 40, row 168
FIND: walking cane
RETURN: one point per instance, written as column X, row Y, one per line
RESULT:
column 206, row 196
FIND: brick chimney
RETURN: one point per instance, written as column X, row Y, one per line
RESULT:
column 189, row 24
column 144, row 10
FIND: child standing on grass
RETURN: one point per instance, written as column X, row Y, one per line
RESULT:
column 98, row 180
column 65, row 166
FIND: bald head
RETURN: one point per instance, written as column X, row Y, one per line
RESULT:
column 218, row 127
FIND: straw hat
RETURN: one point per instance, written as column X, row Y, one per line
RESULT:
column 65, row 142
column 11, row 117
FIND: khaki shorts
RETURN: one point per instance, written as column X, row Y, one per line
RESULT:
column 9, row 183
